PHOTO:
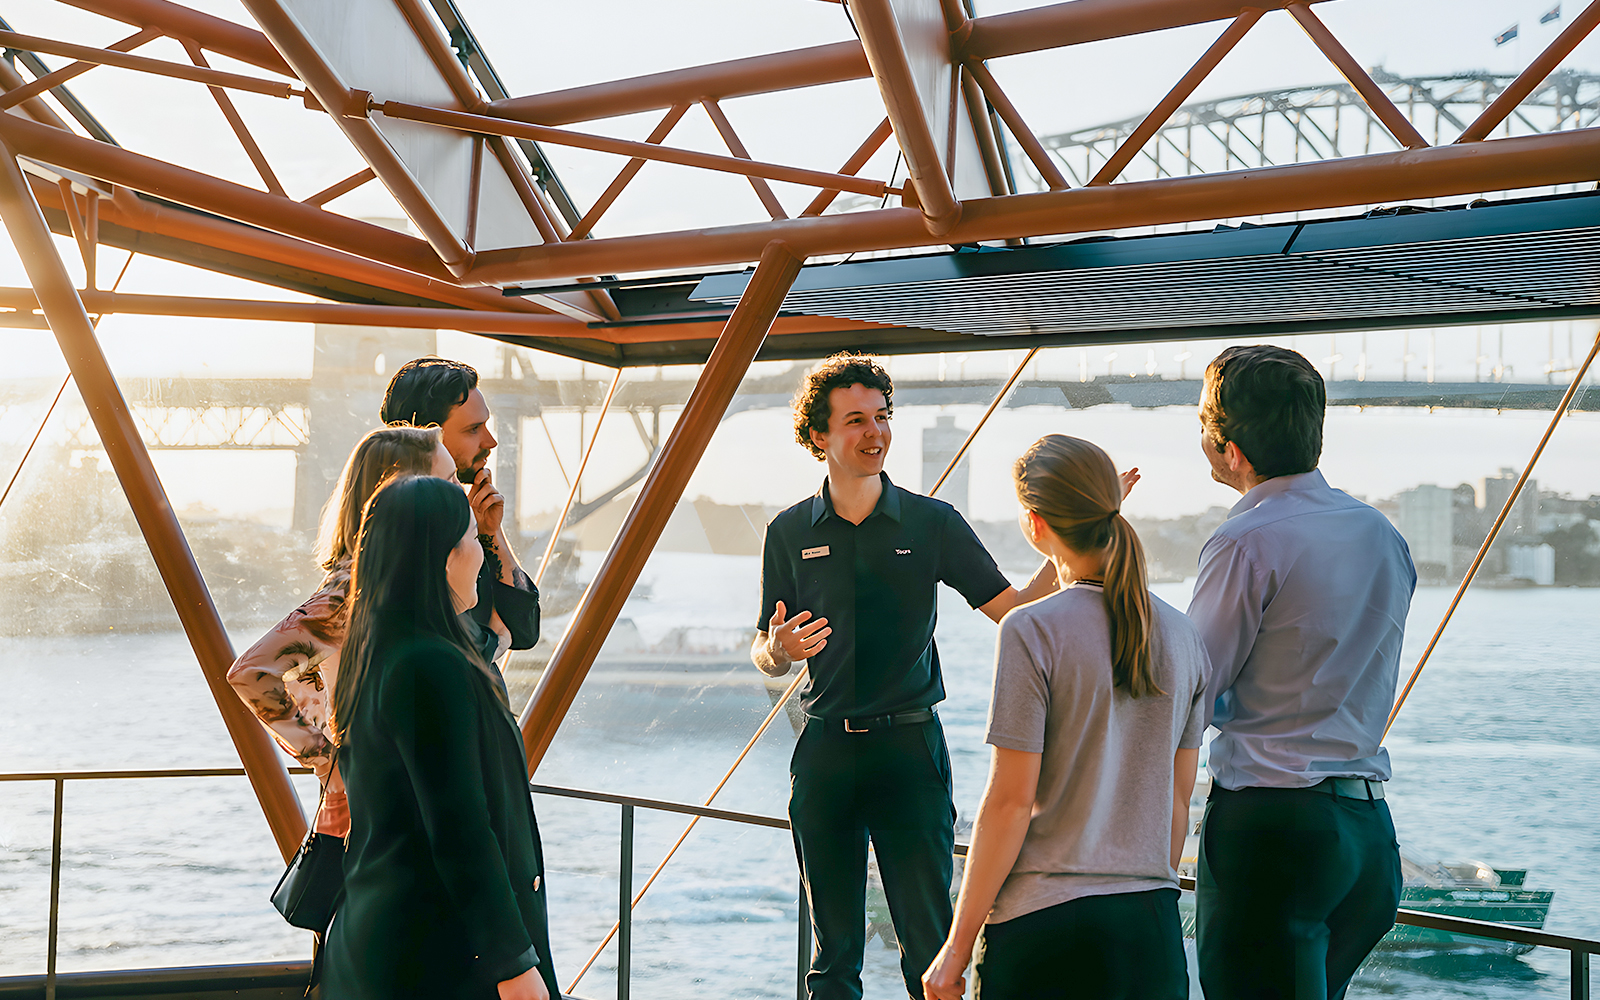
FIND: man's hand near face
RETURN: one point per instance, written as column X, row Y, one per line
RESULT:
column 489, row 506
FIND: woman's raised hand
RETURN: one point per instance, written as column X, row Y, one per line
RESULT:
column 528, row 986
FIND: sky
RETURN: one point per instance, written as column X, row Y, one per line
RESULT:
column 539, row 46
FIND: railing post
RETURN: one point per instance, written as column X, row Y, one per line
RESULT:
column 803, row 961
column 1580, row 975
column 625, row 905
column 55, row 896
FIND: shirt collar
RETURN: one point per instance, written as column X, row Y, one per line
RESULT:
column 888, row 501
column 1303, row 482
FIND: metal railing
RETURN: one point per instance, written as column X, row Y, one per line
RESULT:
column 1578, row 949
column 60, row 778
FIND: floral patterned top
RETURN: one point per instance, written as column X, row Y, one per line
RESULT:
column 287, row 680
column 287, row 677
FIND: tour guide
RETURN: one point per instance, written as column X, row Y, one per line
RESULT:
column 859, row 562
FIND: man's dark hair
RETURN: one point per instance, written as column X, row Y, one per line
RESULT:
column 1270, row 402
column 423, row 392
column 811, row 409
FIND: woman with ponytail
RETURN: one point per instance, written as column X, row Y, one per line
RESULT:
column 1096, row 725
column 444, row 870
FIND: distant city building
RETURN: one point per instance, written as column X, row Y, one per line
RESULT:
column 939, row 445
column 1534, row 563
column 1522, row 524
column 1427, row 520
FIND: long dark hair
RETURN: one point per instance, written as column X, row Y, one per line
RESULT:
column 1072, row 484
column 398, row 583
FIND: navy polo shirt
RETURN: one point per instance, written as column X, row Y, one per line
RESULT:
column 875, row 582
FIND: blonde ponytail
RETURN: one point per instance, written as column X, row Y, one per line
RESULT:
column 1072, row 484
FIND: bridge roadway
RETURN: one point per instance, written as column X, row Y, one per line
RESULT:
column 532, row 396
column 242, row 414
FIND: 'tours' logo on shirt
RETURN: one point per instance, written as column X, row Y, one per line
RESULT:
column 902, row 552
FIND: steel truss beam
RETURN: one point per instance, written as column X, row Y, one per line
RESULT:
column 1285, row 122
column 1528, row 161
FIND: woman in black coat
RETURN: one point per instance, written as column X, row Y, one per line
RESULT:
column 444, row 893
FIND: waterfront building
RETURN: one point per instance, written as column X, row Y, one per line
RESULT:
column 1426, row 519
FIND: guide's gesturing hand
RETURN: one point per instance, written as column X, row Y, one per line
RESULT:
column 797, row 638
column 1128, row 479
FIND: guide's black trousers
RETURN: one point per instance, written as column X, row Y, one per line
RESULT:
column 1295, row 886
column 891, row 786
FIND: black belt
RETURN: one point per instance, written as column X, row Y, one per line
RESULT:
column 1350, row 788
column 870, row 723
column 1364, row 789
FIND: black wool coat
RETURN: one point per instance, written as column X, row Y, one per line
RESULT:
column 444, row 887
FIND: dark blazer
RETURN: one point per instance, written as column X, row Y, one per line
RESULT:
column 443, row 873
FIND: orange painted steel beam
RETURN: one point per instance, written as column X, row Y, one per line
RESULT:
column 1019, row 129
column 1398, row 124
column 991, row 37
column 228, row 38
column 340, row 188
column 1079, row 21
column 349, row 113
column 853, row 165
column 663, row 487
column 129, row 211
column 808, row 67
column 134, row 213
column 125, row 449
column 1180, row 92
column 38, row 110
column 892, row 67
column 211, row 194
column 409, row 317
column 483, row 124
column 65, row 73
column 236, row 122
column 80, row 228
column 24, row 302
column 994, row 170
column 1534, row 75
column 1437, row 172
column 763, row 190
column 626, row 175
column 144, row 64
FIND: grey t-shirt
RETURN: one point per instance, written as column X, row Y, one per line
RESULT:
column 1102, row 819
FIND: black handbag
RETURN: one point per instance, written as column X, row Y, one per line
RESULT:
column 313, row 885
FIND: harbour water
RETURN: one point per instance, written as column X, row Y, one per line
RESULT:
column 1495, row 760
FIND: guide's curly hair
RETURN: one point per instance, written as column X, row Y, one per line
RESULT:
column 842, row 370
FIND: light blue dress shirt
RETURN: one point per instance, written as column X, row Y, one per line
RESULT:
column 1301, row 601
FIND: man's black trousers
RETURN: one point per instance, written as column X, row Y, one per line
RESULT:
column 892, row 786
column 1295, row 886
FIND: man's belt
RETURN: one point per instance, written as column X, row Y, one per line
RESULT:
column 871, row 723
column 1350, row 788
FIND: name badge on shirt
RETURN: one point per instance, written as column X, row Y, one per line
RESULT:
column 815, row 553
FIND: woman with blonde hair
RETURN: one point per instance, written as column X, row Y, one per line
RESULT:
column 1096, row 724
column 287, row 676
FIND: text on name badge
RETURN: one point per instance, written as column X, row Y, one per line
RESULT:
column 814, row 553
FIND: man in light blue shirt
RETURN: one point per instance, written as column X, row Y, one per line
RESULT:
column 1301, row 600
